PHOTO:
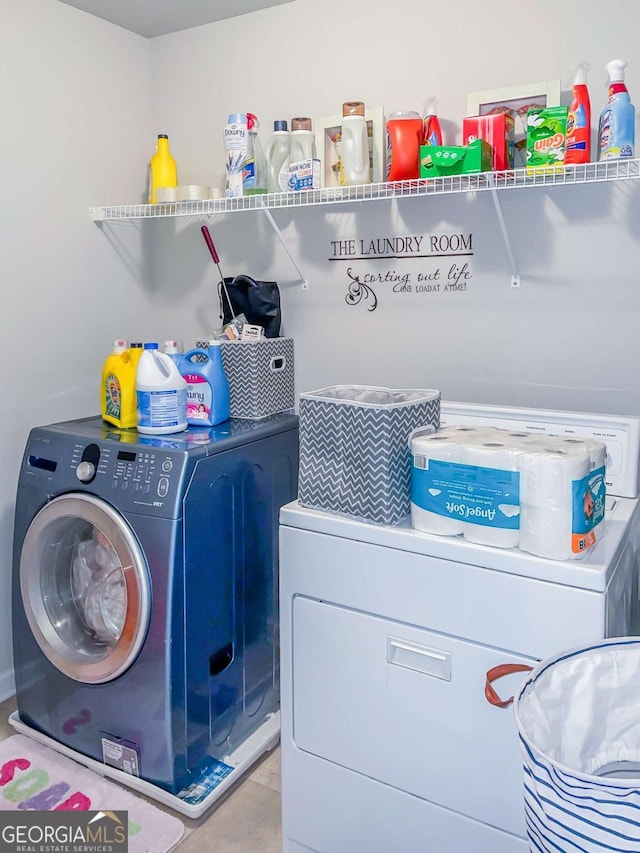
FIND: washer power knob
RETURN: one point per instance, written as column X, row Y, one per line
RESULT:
column 85, row 471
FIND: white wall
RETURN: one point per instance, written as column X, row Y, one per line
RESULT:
column 568, row 338
column 75, row 96
column 81, row 109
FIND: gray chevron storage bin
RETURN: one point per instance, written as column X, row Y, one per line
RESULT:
column 261, row 377
column 354, row 449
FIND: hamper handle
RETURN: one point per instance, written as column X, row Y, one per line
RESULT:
column 497, row 672
column 426, row 429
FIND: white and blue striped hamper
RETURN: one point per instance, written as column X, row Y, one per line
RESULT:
column 578, row 715
column 354, row 449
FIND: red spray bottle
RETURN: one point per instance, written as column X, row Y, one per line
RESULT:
column 578, row 138
column 432, row 134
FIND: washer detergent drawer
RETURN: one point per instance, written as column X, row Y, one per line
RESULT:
column 406, row 706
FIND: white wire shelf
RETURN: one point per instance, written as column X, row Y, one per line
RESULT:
column 588, row 173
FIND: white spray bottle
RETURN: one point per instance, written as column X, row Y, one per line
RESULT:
column 616, row 130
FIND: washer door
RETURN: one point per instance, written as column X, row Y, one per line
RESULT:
column 85, row 588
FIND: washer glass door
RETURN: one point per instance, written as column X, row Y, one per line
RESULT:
column 85, row 588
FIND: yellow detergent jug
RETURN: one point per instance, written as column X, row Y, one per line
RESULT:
column 118, row 390
column 135, row 351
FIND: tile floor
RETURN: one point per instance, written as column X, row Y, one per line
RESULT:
column 247, row 821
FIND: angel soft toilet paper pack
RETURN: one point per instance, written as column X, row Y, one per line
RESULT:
column 543, row 494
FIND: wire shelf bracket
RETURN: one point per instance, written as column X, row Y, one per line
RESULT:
column 515, row 278
column 278, row 232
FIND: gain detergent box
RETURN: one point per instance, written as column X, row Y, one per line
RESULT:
column 546, row 137
column 440, row 160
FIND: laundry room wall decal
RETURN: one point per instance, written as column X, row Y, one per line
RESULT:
column 441, row 265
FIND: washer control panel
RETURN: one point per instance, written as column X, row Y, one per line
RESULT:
column 148, row 476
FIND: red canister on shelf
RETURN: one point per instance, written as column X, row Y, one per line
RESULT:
column 404, row 137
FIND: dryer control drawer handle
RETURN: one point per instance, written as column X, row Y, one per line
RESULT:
column 423, row 659
column 497, row 672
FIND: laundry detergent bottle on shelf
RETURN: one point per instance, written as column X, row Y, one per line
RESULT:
column 277, row 153
column 578, row 137
column 404, row 138
column 118, row 393
column 356, row 168
column 161, row 394
column 303, row 144
column 616, row 129
column 162, row 168
column 207, row 386
column 135, row 351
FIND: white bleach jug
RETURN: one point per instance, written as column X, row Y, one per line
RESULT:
column 161, row 394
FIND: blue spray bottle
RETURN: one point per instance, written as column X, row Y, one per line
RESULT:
column 207, row 386
column 616, row 130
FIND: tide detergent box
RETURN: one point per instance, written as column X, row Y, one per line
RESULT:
column 546, row 138
column 498, row 130
column 439, row 160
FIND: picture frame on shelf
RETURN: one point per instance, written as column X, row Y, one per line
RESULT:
column 327, row 137
column 516, row 100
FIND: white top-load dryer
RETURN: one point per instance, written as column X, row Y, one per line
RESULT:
column 389, row 744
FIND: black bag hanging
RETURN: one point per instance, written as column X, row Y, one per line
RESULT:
column 259, row 301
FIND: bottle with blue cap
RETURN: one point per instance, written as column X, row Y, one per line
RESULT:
column 161, row 394
column 277, row 152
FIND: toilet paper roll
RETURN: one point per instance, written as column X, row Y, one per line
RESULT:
column 468, row 432
column 598, row 459
column 524, row 439
column 546, row 498
column 547, row 472
column 501, row 498
column 433, row 448
column 597, row 449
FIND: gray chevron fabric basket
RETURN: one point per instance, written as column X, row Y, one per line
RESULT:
column 354, row 449
column 261, row 376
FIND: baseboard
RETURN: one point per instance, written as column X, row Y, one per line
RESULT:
column 7, row 685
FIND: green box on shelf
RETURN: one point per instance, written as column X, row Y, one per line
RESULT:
column 546, row 138
column 437, row 161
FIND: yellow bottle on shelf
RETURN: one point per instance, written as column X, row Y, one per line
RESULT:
column 135, row 351
column 118, row 390
column 163, row 171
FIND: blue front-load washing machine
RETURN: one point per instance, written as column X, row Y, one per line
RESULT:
column 145, row 590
